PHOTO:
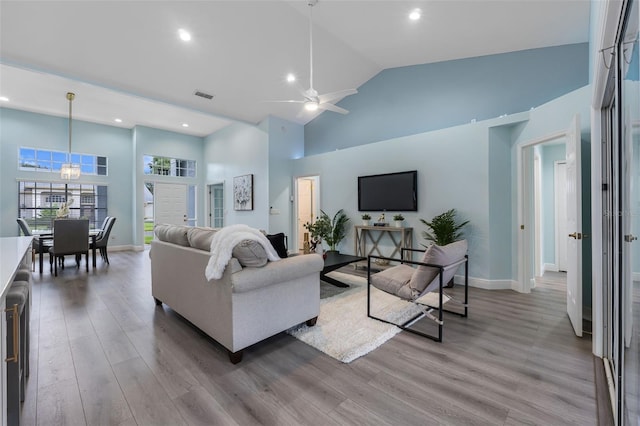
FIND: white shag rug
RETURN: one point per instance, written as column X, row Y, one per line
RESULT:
column 344, row 331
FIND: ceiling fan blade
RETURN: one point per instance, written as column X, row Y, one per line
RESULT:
column 328, row 97
column 291, row 101
column 332, row 107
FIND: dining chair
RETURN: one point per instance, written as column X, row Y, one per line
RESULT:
column 70, row 237
column 103, row 238
column 35, row 244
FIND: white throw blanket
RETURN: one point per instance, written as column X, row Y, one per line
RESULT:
column 226, row 239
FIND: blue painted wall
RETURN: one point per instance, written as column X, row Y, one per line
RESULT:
column 20, row 128
column 410, row 100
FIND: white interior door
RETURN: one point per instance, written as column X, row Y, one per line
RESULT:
column 560, row 189
column 574, row 226
column 170, row 203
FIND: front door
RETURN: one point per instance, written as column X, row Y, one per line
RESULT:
column 170, row 203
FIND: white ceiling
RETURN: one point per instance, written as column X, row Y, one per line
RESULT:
column 124, row 59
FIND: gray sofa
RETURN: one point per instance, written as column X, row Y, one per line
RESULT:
column 246, row 305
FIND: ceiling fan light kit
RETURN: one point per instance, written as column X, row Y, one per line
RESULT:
column 312, row 100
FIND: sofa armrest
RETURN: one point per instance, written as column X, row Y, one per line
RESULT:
column 286, row 269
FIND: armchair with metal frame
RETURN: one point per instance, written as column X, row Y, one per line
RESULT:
column 431, row 298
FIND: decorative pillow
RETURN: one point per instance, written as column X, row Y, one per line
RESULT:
column 250, row 254
column 278, row 243
column 176, row 234
column 426, row 277
column 394, row 280
column 200, row 238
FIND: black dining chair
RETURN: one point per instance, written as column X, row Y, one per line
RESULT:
column 103, row 238
column 35, row 244
column 70, row 237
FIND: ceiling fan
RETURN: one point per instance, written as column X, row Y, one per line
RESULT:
column 313, row 101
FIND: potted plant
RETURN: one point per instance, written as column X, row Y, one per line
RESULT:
column 444, row 227
column 398, row 218
column 332, row 231
column 365, row 219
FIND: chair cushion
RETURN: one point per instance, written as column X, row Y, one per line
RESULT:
column 425, row 278
column 176, row 234
column 200, row 238
column 395, row 280
column 250, row 253
column 277, row 241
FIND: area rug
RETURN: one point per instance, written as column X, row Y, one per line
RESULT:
column 344, row 331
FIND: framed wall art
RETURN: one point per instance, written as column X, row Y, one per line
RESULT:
column 243, row 192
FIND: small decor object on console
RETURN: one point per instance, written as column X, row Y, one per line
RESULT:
column 380, row 221
column 398, row 218
column 243, row 192
column 365, row 219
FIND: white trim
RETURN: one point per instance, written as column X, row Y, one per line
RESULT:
column 556, row 210
column 551, row 267
column 487, row 284
column 635, row 276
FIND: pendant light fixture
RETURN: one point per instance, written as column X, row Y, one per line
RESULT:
column 69, row 170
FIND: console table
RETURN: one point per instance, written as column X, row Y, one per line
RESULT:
column 365, row 235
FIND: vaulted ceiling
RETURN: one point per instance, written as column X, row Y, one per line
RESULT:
column 124, row 59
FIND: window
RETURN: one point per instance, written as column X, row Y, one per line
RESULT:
column 164, row 166
column 38, row 203
column 51, row 161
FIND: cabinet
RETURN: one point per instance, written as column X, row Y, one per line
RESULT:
column 13, row 250
column 368, row 240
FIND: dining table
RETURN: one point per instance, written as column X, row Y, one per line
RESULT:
column 46, row 242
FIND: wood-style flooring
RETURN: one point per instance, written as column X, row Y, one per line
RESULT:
column 102, row 353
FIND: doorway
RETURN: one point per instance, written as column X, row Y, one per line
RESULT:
column 216, row 205
column 307, row 205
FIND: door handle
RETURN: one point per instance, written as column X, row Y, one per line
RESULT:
column 630, row 238
column 576, row 235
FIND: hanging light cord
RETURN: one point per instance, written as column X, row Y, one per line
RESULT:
column 70, row 96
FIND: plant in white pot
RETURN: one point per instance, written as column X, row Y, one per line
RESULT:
column 331, row 231
column 366, row 219
column 398, row 219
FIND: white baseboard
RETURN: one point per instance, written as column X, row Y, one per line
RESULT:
column 129, row 247
column 487, row 284
column 552, row 267
column 635, row 276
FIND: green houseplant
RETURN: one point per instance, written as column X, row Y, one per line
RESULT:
column 444, row 228
column 332, row 231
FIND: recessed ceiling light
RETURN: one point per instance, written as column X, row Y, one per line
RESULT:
column 185, row 125
column 118, row 120
column 184, row 35
column 415, row 14
column 291, row 78
column 4, row 99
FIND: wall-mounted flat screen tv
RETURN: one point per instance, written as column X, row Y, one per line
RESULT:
column 390, row 192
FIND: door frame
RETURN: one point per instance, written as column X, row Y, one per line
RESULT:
column 525, row 222
column 556, row 166
column 316, row 209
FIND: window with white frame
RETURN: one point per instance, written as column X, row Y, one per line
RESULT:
column 165, row 166
column 43, row 160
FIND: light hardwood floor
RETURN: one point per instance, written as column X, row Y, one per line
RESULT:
column 102, row 353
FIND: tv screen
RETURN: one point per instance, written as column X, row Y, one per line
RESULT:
column 391, row 192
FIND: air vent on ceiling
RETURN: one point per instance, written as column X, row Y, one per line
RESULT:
column 203, row 95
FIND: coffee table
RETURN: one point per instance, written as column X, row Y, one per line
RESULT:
column 335, row 260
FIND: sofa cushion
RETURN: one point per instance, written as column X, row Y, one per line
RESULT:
column 176, row 234
column 437, row 255
column 250, row 254
column 278, row 243
column 395, row 280
column 200, row 237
